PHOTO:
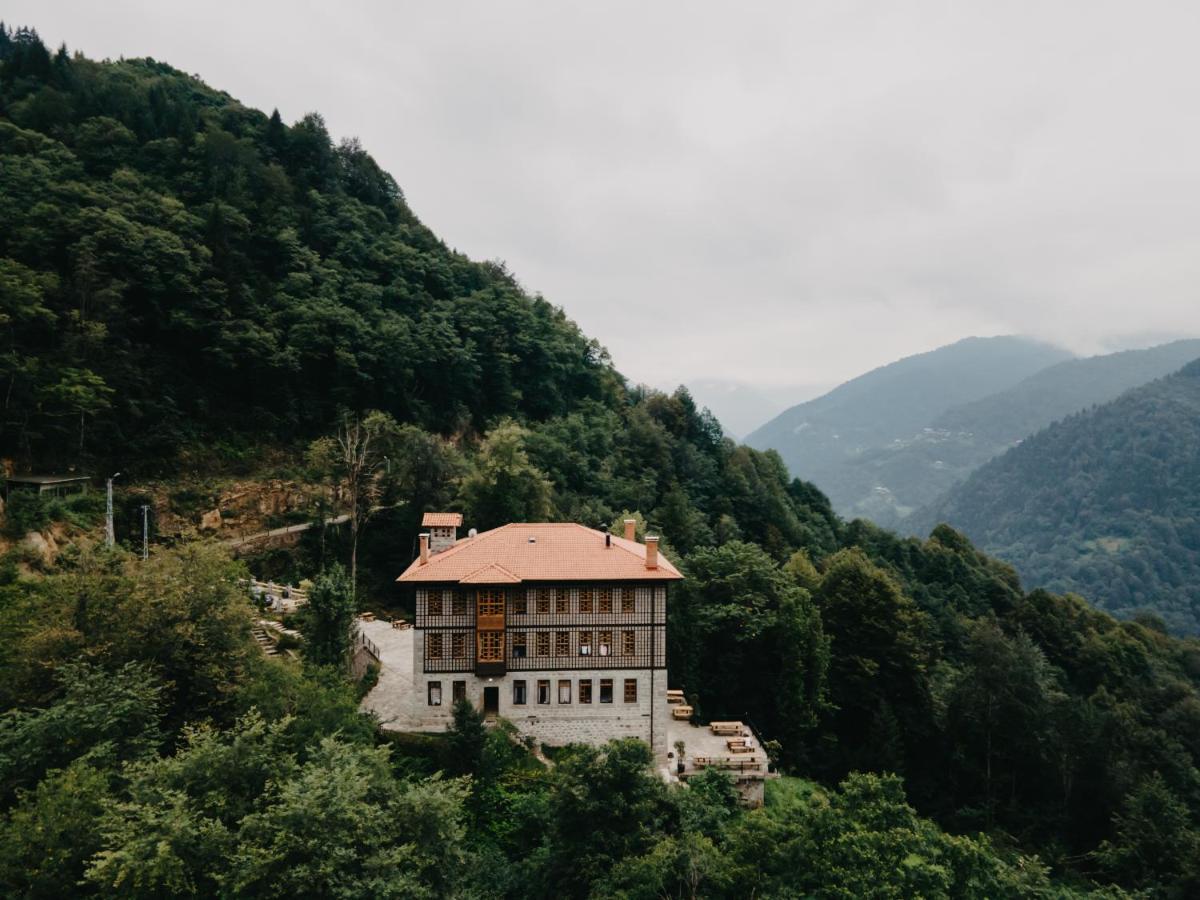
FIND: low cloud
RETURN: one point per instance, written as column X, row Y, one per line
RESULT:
column 773, row 194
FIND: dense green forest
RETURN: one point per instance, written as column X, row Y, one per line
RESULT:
column 945, row 733
column 1103, row 503
column 919, row 470
column 833, row 439
column 181, row 271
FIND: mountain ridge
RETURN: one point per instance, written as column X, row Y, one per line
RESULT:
column 1102, row 503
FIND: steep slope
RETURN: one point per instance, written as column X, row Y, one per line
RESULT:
column 169, row 257
column 819, row 440
column 1105, row 503
column 905, row 475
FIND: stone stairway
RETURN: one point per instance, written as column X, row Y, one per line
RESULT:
column 263, row 640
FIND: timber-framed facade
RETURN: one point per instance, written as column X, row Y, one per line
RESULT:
column 560, row 628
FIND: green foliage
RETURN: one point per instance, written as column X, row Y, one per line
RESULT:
column 1102, row 504
column 101, row 719
column 504, row 485
column 24, row 512
column 740, row 611
column 237, row 282
column 878, row 659
column 49, row 836
column 465, row 740
column 840, row 844
column 329, row 620
column 170, row 257
column 181, row 613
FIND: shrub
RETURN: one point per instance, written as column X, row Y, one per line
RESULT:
column 25, row 512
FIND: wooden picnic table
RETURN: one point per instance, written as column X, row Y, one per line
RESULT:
column 367, row 616
column 734, row 728
column 675, row 696
column 682, row 711
column 726, row 762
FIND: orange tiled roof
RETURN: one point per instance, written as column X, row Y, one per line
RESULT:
column 441, row 520
column 540, row 551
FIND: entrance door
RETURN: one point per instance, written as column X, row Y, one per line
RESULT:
column 491, row 701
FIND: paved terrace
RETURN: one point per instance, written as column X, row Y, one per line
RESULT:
column 392, row 698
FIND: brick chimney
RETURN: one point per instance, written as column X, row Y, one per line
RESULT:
column 424, row 548
column 651, row 552
column 631, row 529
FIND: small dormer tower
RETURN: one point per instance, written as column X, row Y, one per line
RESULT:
column 443, row 529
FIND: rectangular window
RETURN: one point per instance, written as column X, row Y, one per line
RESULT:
column 606, row 690
column 585, row 600
column 562, row 600
column 434, row 648
column 459, row 604
column 585, row 690
column 434, row 606
column 491, row 646
column 491, row 603
column 627, row 600
column 518, row 645
column 458, row 691
column 605, row 647
column 543, row 601
column 585, row 643
column 562, row 643
column 543, row 643
column 564, row 691
column 544, row 691
column 520, row 607
column 631, row 690
column 628, row 643
column 435, row 693
column 605, row 600
column 518, row 693
column 458, row 645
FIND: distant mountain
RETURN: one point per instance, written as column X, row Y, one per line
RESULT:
column 740, row 406
column 822, row 439
column 1106, row 503
column 905, row 475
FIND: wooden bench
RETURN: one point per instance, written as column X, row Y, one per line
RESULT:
column 682, row 711
column 726, row 728
column 675, row 697
column 726, row 762
column 740, row 748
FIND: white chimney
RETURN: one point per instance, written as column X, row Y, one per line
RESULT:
column 651, row 552
column 424, row 549
column 631, row 529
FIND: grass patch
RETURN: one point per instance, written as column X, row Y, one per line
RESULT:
column 788, row 791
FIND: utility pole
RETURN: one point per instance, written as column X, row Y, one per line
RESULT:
column 110, row 535
column 145, row 530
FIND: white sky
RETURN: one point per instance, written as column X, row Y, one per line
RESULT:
column 776, row 194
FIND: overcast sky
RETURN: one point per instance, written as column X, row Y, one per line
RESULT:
column 784, row 193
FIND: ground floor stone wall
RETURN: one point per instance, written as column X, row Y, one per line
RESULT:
column 564, row 719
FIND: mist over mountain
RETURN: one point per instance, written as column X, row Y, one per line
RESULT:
column 740, row 406
column 1105, row 503
column 895, row 480
column 820, row 440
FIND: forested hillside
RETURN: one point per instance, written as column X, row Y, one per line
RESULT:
column 180, row 271
column 945, row 732
column 918, row 470
column 824, row 439
column 1103, row 503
